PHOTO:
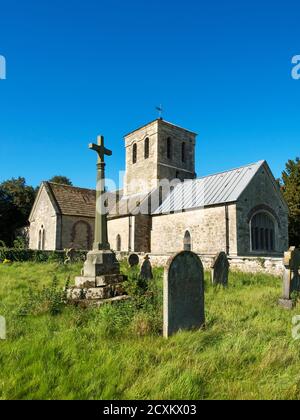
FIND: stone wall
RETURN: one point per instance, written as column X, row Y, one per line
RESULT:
column 44, row 215
column 262, row 193
column 207, row 228
column 143, row 175
column 272, row 266
column 120, row 227
column 77, row 232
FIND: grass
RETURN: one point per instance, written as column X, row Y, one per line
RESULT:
column 117, row 352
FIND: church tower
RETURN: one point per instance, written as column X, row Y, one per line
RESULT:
column 157, row 151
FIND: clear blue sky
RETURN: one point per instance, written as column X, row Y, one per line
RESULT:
column 76, row 69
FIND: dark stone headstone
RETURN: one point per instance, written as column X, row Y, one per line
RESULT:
column 146, row 269
column 220, row 270
column 133, row 260
column 183, row 293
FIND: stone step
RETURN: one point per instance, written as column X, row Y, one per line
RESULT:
column 92, row 293
column 105, row 280
column 85, row 303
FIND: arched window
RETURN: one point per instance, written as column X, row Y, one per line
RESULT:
column 42, row 239
column 147, row 148
column 262, row 232
column 169, row 148
column 183, row 152
column 160, row 196
column 134, row 153
column 187, row 241
column 118, row 243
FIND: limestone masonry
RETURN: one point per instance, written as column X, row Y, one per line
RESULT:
column 240, row 212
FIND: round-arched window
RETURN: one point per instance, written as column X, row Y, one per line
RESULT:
column 262, row 232
column 147, row 148
column 118, row 243
column 134, row 153
column 187, row 241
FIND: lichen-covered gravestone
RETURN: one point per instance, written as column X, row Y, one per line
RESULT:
column 146, row 269
column 291, row 277
column 220, row 270
column 133, row 260
column 183, row 293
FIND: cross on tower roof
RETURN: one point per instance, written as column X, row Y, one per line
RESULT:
column 100, row 149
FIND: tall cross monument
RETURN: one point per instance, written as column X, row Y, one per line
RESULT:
column 100, row 279
column 101, row 237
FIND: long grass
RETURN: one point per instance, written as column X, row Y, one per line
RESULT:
column 117, row 352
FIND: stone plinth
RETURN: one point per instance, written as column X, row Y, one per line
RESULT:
column 100, row 281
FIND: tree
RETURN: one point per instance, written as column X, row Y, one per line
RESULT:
column 59, row 179
column 16, row 201
column 291, row 191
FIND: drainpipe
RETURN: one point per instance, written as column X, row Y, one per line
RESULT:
column 227, row 229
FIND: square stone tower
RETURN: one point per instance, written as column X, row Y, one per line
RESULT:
column 159, row 150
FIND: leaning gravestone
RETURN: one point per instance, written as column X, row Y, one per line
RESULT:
column 220, row 270
column 133, row 260
column 291, row 277
column 146, row 269
column 183, row 293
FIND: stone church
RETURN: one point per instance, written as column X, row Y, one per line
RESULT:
column 164, row 208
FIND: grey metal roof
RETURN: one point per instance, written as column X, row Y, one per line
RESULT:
column 220, row 188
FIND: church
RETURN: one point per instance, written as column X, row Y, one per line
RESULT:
column 164, row 208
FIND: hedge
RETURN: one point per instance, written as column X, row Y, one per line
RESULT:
column 22, row 255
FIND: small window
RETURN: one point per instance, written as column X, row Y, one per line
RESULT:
column 42, row 239
column 134, row 153
column 187, row 241
column 160, row 195
column 183, row 152
column 118, row 243
column 169, row 148
column 147, row 148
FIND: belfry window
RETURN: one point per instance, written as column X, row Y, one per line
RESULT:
column 169, row 148
column 262, row 232
column 183, row 152
column 134, row 153
column 147, row 148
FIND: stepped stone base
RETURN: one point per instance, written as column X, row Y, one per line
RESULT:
column 101, row 281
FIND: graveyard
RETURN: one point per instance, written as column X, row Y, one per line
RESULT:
column 54, row 351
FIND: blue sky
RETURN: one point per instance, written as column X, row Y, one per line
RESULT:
column 77, row 69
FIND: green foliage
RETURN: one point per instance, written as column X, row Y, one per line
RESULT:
column 20, row 243
column 23, row 255
column 59, row 179
column 291, row 191
column 117, row 352
column 16, row 201
column 51, row 299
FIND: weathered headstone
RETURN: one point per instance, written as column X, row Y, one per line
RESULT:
column 291, row 277
column 183, row 293
column 133, row 260
column 220, row 270
column 101, row 278
column 146, row 269
column 70, row 256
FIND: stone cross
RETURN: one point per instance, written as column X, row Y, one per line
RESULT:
column 101, row 236
column 183, row 293
column 291, row 278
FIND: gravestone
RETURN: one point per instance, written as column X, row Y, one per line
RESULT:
column 220, row 270
column 146, row 269
column 70, row 256
column 133, row 260
column 291, row 277
column 183, row 293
